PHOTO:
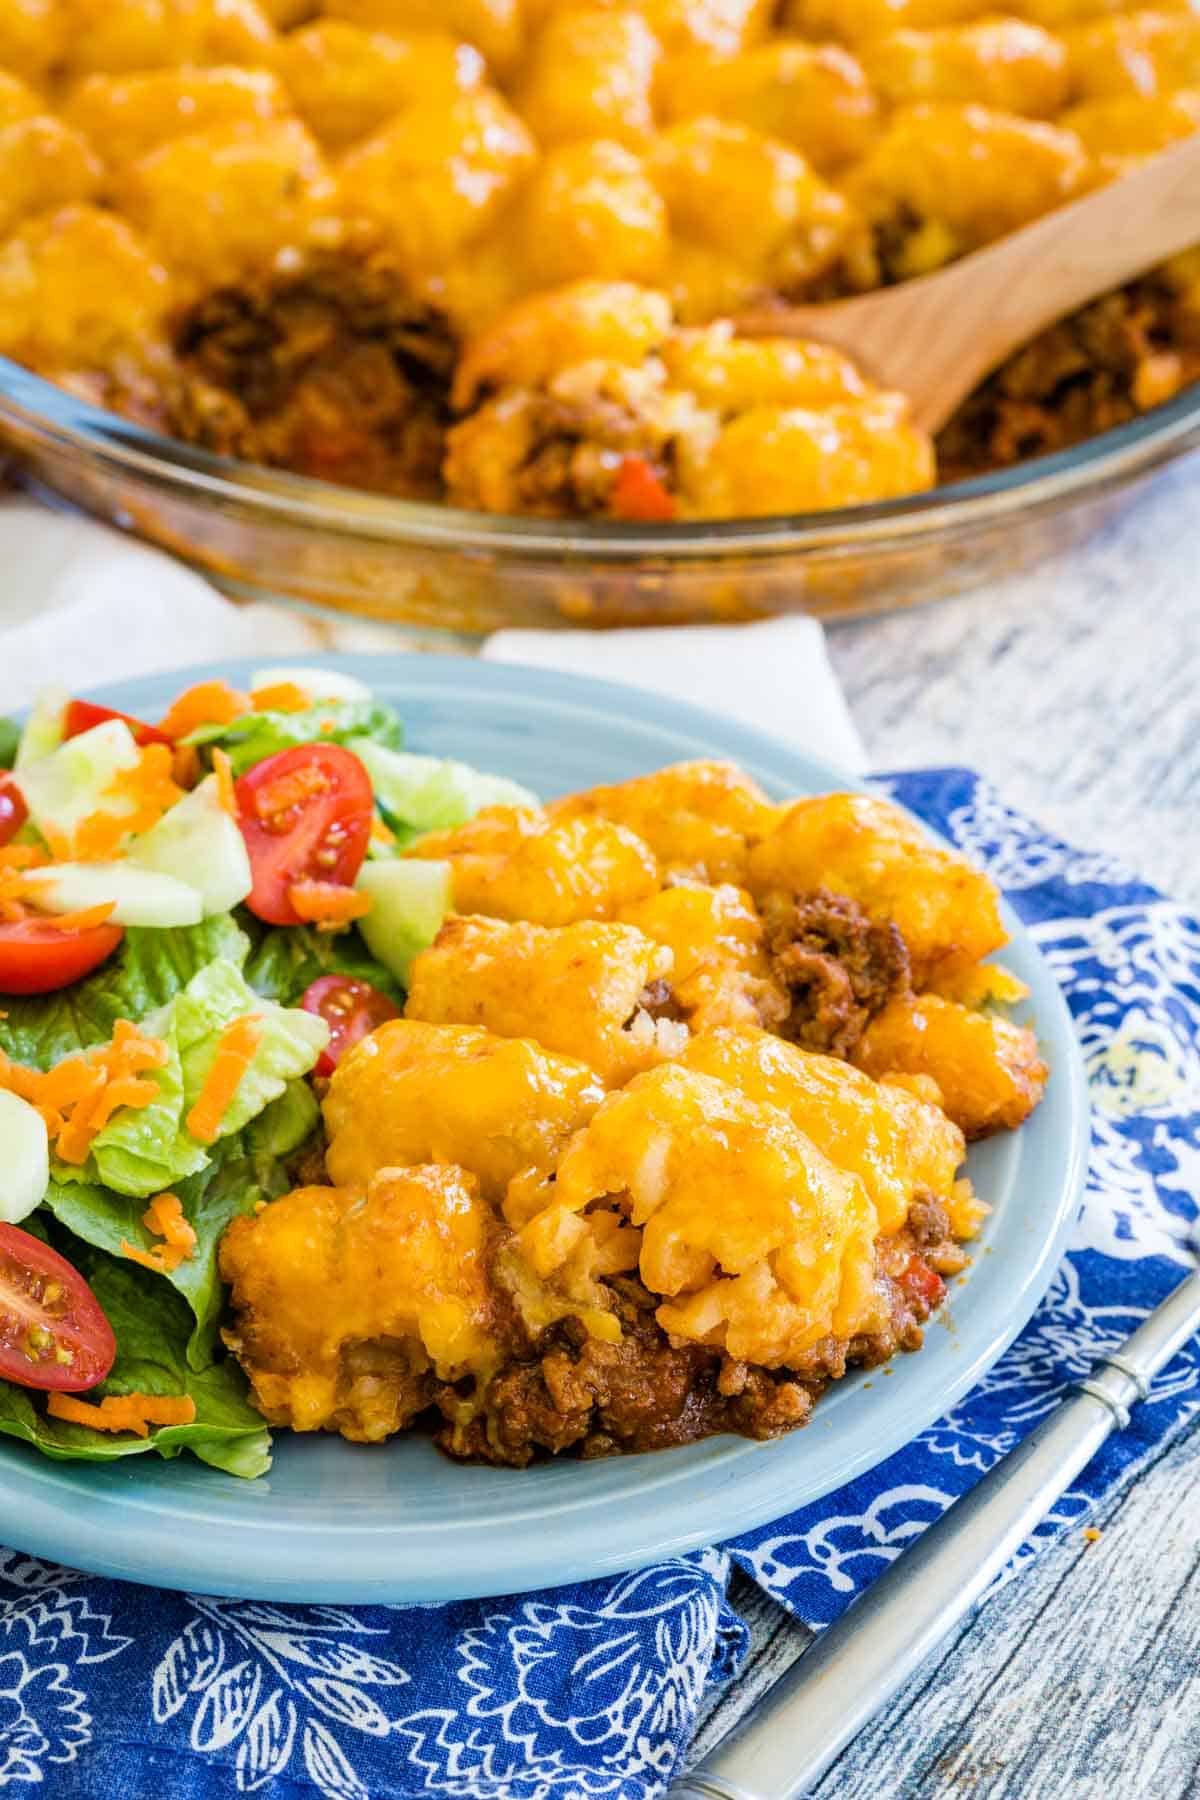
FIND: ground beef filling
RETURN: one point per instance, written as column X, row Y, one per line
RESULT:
column 1103, row 366
column 570, row 1392
column 837, row 967
column 333, row 371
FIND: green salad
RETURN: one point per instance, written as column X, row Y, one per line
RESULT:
column 197, row 916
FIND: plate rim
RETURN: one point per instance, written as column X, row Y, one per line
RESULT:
column 109, row 1536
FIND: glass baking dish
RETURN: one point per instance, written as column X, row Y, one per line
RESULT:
column 262, row 533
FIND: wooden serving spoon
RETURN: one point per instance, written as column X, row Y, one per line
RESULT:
column 935, row 338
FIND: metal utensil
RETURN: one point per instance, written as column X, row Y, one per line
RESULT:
column 790, row 1737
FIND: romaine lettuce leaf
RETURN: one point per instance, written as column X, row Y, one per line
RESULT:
column 290, row 1044
column 143, row 1150
column 152, row 1325
column 10, row 737
column 148, row 970
column 235, row 1181
column 283, row 963
column 255, row 735
column 287, row 1123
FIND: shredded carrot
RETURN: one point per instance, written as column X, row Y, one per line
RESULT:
column 226, row 792
column 78, row 1096
column 236, row 1049
column 86, row 919
column 281, row 696
column 146, row 792
column 327, row 904
column 185, row 765
column 208, row 703
column 23, row 856
column 124, row 1412
column 15, row 889
column 164, row 1218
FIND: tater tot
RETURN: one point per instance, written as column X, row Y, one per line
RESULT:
column 814, row 97
column 153, row 34
column 75, row 286
column 585, row 321
column 965, row 175
column 43, row 163
column 1002, row 63
column 580, row 990
column 346, row 82
column 127, row 116
column 776, row 459
column 17, row 100
column 33, row 34
column 590, row 210
column 989, row 1072
column 734, row 190
column 433, row 178
column 223, row 201
column 1141, row 53
column 493, row 26
column 589, row 74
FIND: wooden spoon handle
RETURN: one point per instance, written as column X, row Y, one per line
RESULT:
column 937, row 337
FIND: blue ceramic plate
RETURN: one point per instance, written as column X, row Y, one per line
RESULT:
column 342, row 1522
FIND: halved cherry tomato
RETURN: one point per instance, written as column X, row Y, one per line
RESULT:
column 83, row 714
column 640, row 494
column 352, row 1009
column 921, row 1284
column 13, row 811
column 306, row 816
column 37, row 957
column 53, row 1332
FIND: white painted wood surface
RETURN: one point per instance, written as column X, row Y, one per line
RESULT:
column 1077, row 690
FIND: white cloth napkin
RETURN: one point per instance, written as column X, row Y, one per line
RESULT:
column 81, row 605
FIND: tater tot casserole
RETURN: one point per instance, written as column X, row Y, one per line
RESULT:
column 670, row 1133
column 494, row 252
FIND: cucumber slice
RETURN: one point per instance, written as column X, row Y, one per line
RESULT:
column 141, row 896
column 24, row 1158
column 44, row 727
column 198, row 843
column 318, row 684
column 80, row 778
column 409, row 901
column 428, row 793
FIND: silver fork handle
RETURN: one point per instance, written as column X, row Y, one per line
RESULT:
column 789, row 1738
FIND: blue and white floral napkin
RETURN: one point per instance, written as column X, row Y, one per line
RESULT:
column 594, row 1690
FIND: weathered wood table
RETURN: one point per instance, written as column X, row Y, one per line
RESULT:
column 1077, row 690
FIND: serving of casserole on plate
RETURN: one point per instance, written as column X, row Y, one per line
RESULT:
column 645, row 1121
